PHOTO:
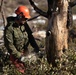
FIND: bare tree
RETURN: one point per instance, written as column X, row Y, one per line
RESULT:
column 57, row 28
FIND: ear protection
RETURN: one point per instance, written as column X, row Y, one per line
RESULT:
column 19, row 17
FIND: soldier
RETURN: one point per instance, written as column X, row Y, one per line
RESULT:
column 17, row 37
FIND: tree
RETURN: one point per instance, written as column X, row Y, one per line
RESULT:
column 2, row 12
column 59, row 20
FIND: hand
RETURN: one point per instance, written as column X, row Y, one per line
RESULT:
column 23, row 59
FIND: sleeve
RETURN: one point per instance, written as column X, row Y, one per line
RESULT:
column 10, row 45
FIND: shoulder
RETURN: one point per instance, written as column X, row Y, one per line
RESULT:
column 10, row 22
column 10, row 19
column 9, row 27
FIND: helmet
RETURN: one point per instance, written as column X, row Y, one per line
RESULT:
column 24, row 10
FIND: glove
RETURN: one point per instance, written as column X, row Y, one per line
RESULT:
column 23, row 59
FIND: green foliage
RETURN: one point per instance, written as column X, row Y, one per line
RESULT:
column 66, row 66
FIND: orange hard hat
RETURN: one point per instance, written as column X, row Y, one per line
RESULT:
column 24, row 10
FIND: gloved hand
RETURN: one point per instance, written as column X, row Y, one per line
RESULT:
column 23, row 59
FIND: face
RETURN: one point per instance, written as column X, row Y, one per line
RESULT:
column 22, row 19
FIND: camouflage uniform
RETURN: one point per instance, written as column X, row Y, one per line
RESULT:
column 18, row 37
column 15, row 39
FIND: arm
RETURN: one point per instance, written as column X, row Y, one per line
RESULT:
column 9, row 42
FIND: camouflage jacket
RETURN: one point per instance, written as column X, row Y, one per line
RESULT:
column 15, row 38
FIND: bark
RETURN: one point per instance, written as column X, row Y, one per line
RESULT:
column 57, row 41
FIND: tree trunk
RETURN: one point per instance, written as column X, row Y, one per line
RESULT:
column 57, row 41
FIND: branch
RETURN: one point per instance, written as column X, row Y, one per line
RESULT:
column 4, row 19
column 37, row 9
column 72, row 4
column 1, row 5
column 50, row 7
column 2, row 13
column 33, row 18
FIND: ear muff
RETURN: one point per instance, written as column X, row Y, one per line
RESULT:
column 19, row 17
